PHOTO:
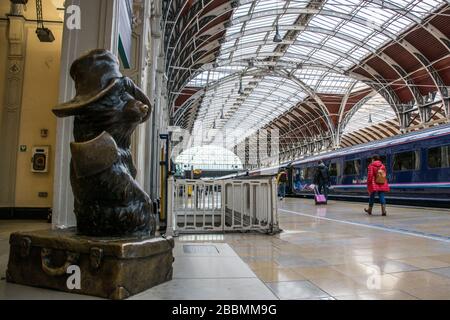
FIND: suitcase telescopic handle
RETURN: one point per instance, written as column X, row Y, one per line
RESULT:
column 46, row 254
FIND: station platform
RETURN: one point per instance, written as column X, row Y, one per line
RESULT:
column 324, row 253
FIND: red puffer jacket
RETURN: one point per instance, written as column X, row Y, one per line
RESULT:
column 372, row 186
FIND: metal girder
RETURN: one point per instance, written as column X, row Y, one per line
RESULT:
column 438, row 82
column 218, row 11
column 343, row 121
column 316, row 98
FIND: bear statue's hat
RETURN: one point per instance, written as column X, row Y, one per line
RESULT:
column 95, row 74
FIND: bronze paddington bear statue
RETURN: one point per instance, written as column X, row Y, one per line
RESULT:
column 107, row 109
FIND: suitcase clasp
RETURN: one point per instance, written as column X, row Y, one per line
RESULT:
column 25, row 247
column 96, row 257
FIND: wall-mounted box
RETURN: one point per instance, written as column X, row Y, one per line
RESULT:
column 39, row 160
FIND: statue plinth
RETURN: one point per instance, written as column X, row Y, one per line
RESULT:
column 112, row 268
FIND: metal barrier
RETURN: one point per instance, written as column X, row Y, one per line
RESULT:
column 222, row 206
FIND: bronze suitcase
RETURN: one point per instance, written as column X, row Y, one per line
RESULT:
column 107, row 268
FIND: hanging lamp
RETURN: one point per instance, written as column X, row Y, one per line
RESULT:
column 241, row 88
column 277, row 38
column 44, row 34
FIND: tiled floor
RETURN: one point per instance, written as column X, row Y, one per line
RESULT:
column 332, row 252
column 336, row 252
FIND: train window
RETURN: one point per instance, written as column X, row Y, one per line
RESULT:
column 383, row 160
column 302, row 174
column 352, row 167
column 310, row 173
column 334, row 170
column 406, row 161
column 439, row 157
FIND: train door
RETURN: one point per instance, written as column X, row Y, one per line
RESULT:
column 290, row 183
column 297, row 180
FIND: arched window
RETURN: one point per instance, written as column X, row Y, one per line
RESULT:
column 208, row 158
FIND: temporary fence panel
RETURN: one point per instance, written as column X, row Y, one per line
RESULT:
column 227, row 205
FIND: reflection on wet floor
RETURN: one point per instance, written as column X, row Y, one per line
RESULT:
column 334, row 252
column 425, row 221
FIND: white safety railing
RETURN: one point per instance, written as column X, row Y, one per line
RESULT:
column 217, row 206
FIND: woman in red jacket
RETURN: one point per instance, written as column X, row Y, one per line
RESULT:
column 377, row 183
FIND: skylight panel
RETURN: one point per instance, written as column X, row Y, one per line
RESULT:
column 298, row 3
column 359, row 53
column 224, row 56
column 375, row 15
column 339, row 44
column 299, row 49
column 260, row 22
column 334, row 83
column 402, row 3
column 268, row 48
column 227, row 45
column 251, row 38
column 313, row 37
column 235, row 28
column 309, row 76
column 398, row 25
column 345, row 64
column 326, row 56
column 355, row 30
column 343, row 6
column 244, row 52
column 264, row 5
column 377, row 40
column 326, row 22
column 288, row 19
column 242, row 10
column 425, row 6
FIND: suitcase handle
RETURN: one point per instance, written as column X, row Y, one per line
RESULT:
column 71, row 258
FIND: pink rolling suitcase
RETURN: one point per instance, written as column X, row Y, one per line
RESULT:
column 319, row 198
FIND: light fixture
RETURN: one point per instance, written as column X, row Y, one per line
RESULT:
column 44, row 34
column 277, row 38
column 370, row 118
column 241, row 89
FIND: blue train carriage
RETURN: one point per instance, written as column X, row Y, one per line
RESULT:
column 418, row 166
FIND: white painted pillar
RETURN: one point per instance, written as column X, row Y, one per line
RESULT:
column 151, row 180
column 10, row 108
column 99, row 29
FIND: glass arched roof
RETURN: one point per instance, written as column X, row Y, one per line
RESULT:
column 321, row 41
